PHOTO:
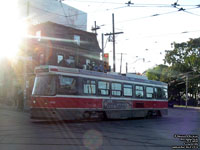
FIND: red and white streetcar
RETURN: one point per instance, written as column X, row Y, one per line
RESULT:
column 70, row 94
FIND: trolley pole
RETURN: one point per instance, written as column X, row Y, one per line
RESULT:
column 121, row 61
column 126, row 67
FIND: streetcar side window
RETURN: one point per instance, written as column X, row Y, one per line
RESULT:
column 158, row 92
column 128, row 90
column 103, row 88
column 67, row 85
column 164, row 94
column 116, row 89
column 139, row 91
column 149, row 92
column 89, row 87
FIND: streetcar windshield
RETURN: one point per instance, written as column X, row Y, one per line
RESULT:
column 44, row 85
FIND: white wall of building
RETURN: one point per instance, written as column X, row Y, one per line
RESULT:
column 52, row 10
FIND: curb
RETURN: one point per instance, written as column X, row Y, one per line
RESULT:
column 189, row 107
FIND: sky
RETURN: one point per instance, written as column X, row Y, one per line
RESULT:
column 149, row 27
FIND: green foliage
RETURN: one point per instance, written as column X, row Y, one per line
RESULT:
column 184, row 56
column 157, row 73
column 183, row 59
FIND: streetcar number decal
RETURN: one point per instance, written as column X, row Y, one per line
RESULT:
column 117, row 104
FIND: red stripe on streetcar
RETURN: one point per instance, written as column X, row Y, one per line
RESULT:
column 65, row 102
column 150, row 104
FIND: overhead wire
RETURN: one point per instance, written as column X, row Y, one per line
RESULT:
column 87, row 1
column 50, row 12
column 123, row 21
column 64, row 12
column 154, row 15
column 133, row 4
column 191, row 13
column 169, row 34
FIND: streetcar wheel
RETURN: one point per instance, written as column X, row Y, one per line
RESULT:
column 159, row 114
column 149, row 114
column 86, row 115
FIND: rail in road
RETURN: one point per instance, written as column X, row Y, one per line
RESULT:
column 18, row 132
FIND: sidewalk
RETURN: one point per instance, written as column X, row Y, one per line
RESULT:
column 5, row 106
column 11, row 107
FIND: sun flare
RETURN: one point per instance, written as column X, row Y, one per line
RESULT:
column 12, row 29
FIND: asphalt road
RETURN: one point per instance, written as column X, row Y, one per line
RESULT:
column 18, row 132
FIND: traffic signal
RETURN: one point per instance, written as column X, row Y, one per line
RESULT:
column 106, row 58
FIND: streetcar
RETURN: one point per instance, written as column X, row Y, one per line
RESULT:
column 74, row 94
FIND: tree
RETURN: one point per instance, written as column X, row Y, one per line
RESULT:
column 157, row 73
column 185, row 56
column 184, row 60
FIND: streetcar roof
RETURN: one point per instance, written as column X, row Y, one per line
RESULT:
column 115, row 76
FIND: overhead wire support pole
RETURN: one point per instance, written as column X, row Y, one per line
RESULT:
column 186, row 90
column 113, row 34
column 102, row 35
column 95, row 28
column 113, row 22
column 25, row 65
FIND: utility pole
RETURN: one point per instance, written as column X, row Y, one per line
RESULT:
column 186, row 90
column 113, row 22
column 95, row 28
column 113, row 35
column 102, row 36
column 25, row 65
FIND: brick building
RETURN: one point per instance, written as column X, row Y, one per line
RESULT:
column 55, row 44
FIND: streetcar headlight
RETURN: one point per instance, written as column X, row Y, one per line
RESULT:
column 34, row 102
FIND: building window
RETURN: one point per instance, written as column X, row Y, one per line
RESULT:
column 158, row 93
column 103, row 87
column 77, row 39
column 116, row 89
column 41, row 57
column 67, row 85
column 149, row 92
column 87, row 61
column 38, row 35
column 60, row 58
column 70, row 60
column 139, row 91
column 89, row 87
column 128, row 90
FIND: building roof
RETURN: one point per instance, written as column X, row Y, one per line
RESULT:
column 61, row 35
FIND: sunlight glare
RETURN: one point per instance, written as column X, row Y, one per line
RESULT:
column 12, row 29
